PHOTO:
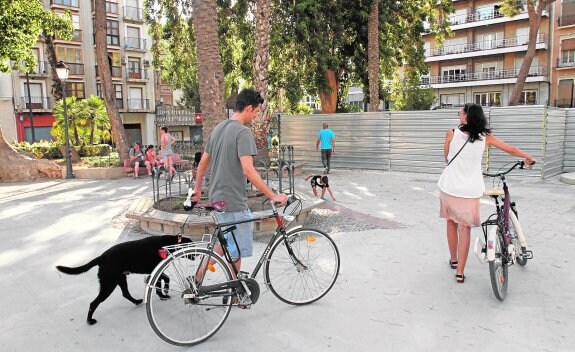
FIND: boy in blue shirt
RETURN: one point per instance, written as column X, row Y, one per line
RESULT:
column 326, row 138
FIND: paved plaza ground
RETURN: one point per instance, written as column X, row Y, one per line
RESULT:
column 395, row 292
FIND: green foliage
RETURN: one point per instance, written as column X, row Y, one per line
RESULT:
column 88, row 121
column 111, row 160
column 409, row 95
column 301, row 109
column 95, row 150
column 21, row 24
column 42, row 149
column 511, row 8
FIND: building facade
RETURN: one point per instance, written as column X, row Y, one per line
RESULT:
column 563, row 72
column 480, row 63
column 138, row 89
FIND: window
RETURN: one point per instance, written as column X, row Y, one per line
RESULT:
column 565, row 94
column 113, row 33
column 135, row 100
column 452, row 74
column 568, row 52
column 40, row 133
column 488, row 99
column 528, row 97
column 69, row 55
column 118, row 94
column 73, row 3
column 36, row 98
column 452, row 100
column 134, row 68
column 75, row 89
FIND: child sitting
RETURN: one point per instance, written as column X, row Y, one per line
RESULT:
column 320, row 181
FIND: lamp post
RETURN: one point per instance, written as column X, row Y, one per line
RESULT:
column 62, row 71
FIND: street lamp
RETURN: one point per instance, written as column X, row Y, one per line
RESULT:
column 62, row 71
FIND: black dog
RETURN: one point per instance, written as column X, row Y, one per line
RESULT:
column 138, row 257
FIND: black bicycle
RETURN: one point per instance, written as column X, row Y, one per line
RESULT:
column 190, row 293
column 504, row 242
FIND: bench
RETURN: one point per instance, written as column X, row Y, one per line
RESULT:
column 130, row 170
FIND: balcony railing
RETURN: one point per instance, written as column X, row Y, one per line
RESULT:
column 561, row 64
column 135, row 43
column 568, row 20
column 564, row 103
column 138, row 104
column 487, row 45
column 133, row 13
column 481, row 76
column 477, row 16
column 75, row 68
column 71, row 3
column 42, row 68
column 136, row 73
column 116, row 71
column 37, row 103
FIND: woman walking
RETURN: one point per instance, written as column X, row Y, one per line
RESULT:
column 461, row 182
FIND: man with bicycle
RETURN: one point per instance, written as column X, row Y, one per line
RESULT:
column 229, row 152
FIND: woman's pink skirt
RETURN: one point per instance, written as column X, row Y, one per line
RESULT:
column 464, row 211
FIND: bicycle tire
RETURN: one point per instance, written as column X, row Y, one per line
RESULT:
column 498, row 269
column 299, row 286
column 520, row 254
column 183, row 321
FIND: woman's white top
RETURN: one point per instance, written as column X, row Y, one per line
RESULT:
column 463, row 177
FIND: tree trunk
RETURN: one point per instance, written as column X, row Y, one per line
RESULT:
column 328, row 98
column 108, row 92
column 50, row 53
column 17, row 167
column 534, row 23
column 260, row 125
column 210, row 71
column 373, row 55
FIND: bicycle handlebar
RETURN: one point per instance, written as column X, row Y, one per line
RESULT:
column 520, row 163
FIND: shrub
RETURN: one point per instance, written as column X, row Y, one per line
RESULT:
column 95, row 150
column 42, row 149
column 110, row 160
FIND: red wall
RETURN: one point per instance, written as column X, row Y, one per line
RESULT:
column 40, row 120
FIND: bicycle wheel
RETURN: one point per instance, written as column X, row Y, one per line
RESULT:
column 307, row 277
column 498, row 268
column 187, row 321
column 520, row 252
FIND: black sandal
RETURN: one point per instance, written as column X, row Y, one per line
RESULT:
column 460, row 278
column 453, row 264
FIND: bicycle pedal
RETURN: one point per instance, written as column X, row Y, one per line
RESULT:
column 528, row 254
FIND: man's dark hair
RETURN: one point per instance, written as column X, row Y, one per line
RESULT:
column 164, row 128
column 248, row 97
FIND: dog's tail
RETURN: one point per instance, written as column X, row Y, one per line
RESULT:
column 79, row 269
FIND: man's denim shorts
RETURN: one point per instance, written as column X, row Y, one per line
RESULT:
column 244, row 233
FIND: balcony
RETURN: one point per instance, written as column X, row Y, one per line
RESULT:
column 537, row 73
column 561, row 64
column 137, row 44
column 490, row 47
column 37, row 103
column 568, row 20
column 485, row 18
column 564, row 103
column 136, row 74
column 42, row 69
column 68, row 3
column 116, row 71
column 75, row 69
column 138, row 104
column 76, row 36
column 134, row 14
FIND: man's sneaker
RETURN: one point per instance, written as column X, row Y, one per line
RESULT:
column 326, row 171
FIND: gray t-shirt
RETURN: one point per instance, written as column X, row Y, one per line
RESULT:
column 229, row 141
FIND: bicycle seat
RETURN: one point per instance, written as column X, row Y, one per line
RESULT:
column 494, row 192
column 217, row 206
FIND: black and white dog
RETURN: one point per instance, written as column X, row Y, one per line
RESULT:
column 137, row 257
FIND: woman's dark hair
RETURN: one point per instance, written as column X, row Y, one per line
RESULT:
column 476, row 122
column 164, row 128
column 151, row 146
column 324, row 180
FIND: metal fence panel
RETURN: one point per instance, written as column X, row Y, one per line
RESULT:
column 554, row 147
column 362, row 140
column 569, row 148
column 417, row 139
column 521, row 127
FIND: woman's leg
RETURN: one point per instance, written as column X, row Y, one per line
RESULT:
column 452, row 239
column 463, row 247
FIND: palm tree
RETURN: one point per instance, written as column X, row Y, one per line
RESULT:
column 210, row 71
column 261, row 61
column 108, row 91
column 373, row 55
column 98, row 119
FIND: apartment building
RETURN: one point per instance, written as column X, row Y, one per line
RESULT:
column 563, row 72
column 480, row 63
column 137, row 87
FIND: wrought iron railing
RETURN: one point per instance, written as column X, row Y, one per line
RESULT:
column 135, row 43
column 486, row 45
column 480, row 76
column 36, row 103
